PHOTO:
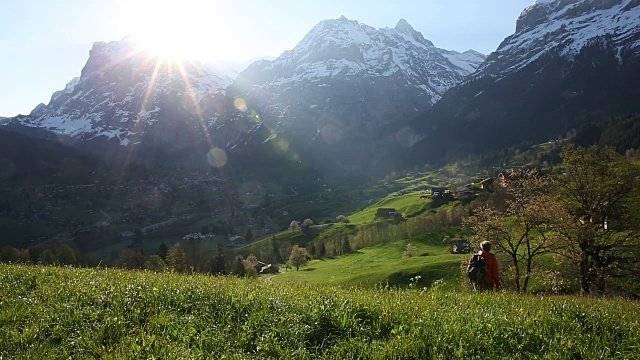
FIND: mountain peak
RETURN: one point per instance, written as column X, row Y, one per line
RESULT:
column 404, row 26
column 565, row 27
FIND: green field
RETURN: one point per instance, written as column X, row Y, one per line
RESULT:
column 407, row 204
column 64, row 313
column 384, row 265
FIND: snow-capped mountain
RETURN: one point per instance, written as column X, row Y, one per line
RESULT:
column 346, row 48
column 568, row 63
column 348, row 88
column 122, row 92
column 565, row 27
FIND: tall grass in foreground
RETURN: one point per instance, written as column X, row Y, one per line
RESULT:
column 51, row 313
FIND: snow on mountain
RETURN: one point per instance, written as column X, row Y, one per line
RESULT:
column 468, row 61
column 345, row 88
column 569, row 63
column 348, row 88
column 344, row 48
column 121, row 91
column 565, row 27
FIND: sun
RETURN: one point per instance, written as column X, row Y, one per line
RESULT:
column 180, row 29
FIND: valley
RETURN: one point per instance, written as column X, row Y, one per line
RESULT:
column 325, row 203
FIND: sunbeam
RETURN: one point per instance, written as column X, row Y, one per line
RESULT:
column 189, row 29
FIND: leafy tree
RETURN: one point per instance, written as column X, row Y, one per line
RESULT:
column 294, row 225
column 252, row 260
column 66, row 254
column 249, row 236
column 11, row 254
column 132, row 260
column 162, row 251
column 250, row 264
column 238, row 267
column 249, row 271
column 298, row 257
column 322, row 250
column 342, row 219
column 312, row 250
column 600, row 192
column 23, row 256
column 219, row 260
column 155, row 263
column 346, row 245
column 48, row 257
column 177, row 259
column 58, row 254
column 275, row 251
column 307, row 222
column 522, row 229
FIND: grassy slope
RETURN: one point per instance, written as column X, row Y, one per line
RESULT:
column 407, row 205
column 384, row 264
column 90, row 313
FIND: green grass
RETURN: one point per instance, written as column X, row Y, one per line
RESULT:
column 407, row 205
column 56, row 313
column 383, row 265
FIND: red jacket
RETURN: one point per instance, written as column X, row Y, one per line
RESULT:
column 492, row 269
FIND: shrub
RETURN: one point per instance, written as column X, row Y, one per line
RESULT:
column 411, row 251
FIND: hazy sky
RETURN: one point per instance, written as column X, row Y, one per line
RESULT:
column 44, row 43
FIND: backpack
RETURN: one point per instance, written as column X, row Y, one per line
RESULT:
column 476, row 270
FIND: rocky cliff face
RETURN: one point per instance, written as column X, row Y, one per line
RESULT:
column 565, row 27
column 128, row 101
column 569, row 62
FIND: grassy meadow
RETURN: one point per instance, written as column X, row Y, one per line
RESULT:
column 62, row 313
column 407, row 204
column 383, row 265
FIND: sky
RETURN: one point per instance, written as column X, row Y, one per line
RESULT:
column 44, row 43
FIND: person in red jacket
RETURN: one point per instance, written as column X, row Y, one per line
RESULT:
column 493, row 277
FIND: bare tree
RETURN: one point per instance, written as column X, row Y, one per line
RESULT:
column 523, row 231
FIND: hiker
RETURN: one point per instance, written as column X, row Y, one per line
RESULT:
column 483, row 269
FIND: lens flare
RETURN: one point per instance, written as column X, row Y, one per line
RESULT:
column 217, row 158
column 406, row 137
column 240, row 104
column 282, row 144
column 331, row 133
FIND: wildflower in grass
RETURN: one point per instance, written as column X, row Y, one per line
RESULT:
column 413, row 282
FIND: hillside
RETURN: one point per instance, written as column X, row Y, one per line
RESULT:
column 385, row 265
